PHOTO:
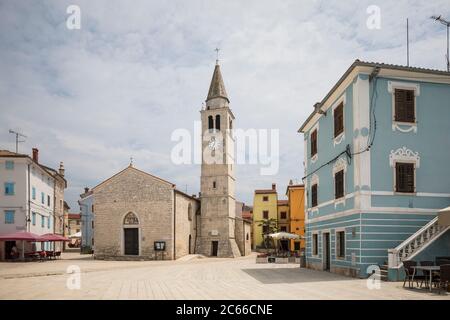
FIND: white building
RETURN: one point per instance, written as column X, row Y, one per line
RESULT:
column 30, row 197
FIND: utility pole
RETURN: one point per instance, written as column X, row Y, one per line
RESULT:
column 18, row 134
column 447, row 24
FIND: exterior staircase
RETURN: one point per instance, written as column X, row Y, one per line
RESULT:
column 415, row 244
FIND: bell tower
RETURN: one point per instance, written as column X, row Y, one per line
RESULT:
column 218, row 203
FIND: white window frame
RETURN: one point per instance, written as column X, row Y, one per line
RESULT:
column 341, row 137
column 336, row 231
column 339, row 165
column 399, row 125
column 404, row 155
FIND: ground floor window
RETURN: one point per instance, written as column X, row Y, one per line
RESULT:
column 315, row 244
column 340, row 244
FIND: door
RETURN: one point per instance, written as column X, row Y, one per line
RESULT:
column 326, row 251
column 284, row 244
column 214, row 248
column 131, row 238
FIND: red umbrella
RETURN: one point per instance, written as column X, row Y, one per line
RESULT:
column 53, row 237
column 21, row 235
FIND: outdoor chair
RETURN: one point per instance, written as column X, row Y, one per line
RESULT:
column 58, row 255
column 444, row 279
column 409, row 272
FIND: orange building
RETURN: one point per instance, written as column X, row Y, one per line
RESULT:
column 296, row 200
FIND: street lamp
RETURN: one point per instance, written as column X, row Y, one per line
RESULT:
column 447, row 24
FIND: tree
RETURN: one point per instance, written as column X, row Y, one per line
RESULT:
column 268, row 226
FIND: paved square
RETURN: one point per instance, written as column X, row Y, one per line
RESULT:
column 188, row 278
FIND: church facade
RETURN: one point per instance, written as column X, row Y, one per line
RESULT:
column 143, row 217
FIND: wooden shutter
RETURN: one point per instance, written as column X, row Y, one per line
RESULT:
column 339, row 184
column 314, row 195
column 313, row 143
column 404, row 175
column 404, row 105
column 339, row 120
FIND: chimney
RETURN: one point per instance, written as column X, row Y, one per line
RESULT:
column 291, row 182
column 36, row 155
column 86, row 190
column 61, row 169
column 274, row 186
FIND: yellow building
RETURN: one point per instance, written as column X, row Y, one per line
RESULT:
column 296, row 201
column 265, row 207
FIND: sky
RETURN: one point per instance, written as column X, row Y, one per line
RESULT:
column 136, row 71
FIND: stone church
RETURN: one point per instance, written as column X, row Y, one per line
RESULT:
column 140, row 216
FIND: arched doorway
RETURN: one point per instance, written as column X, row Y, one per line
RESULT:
column 131, row 234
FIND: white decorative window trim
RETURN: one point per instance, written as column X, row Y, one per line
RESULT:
column 343, row 99
column 340, row 164
column 404, row 127
column 404, row 155
column 400, row 126
column 339, row 139
column 315, row 180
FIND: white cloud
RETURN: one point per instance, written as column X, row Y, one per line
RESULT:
column 138, row 70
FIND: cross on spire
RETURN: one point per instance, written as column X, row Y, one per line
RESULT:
column 131, row 161
column 217, row 55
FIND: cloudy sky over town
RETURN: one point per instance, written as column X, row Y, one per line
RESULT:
column 138, row 70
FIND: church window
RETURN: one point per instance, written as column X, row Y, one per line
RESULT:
column 231, row 124
column 130, row 219
column 214, row 185
column 190, row 212
column 210, row 123
column 218, row 122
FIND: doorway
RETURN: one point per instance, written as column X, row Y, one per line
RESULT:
column 131, row 239
column 190, row 240
column 326, row 251
column 284, row 245
column 8, row 248
column 214, row 248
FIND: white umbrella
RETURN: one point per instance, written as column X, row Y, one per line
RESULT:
column 284, row 235
column 76, row 235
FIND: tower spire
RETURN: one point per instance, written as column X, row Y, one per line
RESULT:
column 217, row 86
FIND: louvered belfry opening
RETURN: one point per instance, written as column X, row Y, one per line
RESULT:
column 404, row 105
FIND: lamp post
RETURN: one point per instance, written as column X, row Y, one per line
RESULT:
column 447, row 24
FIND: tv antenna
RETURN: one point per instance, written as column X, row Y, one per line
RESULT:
column 18, row 135
column 447, row 24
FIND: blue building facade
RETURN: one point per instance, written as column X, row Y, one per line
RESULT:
column 87, row 221
column 377, row 151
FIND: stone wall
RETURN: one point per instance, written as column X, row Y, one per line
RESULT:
column 149, row 198
column 185, row 225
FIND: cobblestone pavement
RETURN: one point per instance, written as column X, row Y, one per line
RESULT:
column 188, row 279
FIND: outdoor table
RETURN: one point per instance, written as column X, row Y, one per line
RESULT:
column 430, row 270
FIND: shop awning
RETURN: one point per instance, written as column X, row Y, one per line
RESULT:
column 21, row 235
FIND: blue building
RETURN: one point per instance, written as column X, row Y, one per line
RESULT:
column 87, row 220
column 377, row 170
